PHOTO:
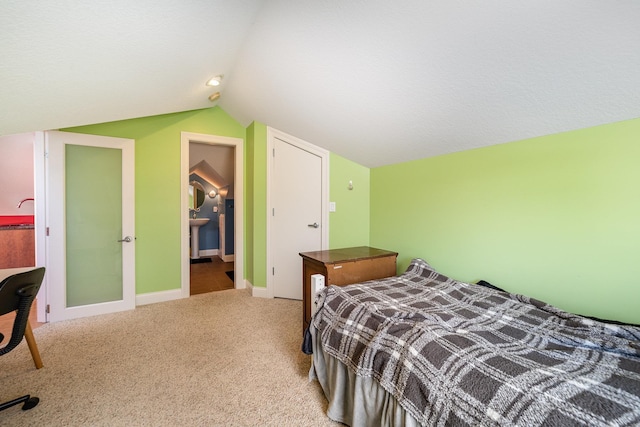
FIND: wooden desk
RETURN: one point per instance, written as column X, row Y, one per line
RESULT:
column 343, row 267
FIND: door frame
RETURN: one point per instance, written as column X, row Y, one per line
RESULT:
column 56, row 226
column 272, row 135
column 238, row 185
column 39, row 215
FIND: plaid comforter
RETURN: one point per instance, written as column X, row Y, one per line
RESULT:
column 453, row 353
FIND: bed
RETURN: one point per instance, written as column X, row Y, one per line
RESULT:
column 424, row 349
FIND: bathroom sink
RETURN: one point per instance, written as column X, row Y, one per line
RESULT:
column 198, row 221
column 195, row 224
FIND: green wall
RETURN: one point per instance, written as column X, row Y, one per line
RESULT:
column 256, row 231
column 157, row 189
column 555, row 217
column 349, row 224
column 249, row 244
column 158, row 193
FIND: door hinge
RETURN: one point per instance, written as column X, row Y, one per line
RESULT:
column 273, row 271
column 47, row 231
column 273, row 211
column 48, row 309
column 46, row 154
column 274, row 152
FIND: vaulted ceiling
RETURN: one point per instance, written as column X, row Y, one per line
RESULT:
column 377, row 82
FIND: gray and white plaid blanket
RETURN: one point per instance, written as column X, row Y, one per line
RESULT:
column 453, row 353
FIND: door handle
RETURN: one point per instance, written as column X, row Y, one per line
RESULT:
column 314, row 225
column 126, row 239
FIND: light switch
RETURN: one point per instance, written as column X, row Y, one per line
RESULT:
column 332, row 206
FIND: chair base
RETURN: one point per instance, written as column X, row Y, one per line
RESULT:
column 29, row 402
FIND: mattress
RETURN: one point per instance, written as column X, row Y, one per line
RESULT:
column 444, row 352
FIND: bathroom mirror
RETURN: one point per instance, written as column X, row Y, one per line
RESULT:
column 196, row 195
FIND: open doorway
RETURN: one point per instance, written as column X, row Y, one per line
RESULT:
column 17, row 213
column 212, row 165
column 17, row 201
column 211, row 217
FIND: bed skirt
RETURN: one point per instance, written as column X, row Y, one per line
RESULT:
column 353, row 400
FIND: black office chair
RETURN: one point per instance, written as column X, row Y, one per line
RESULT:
column 17, row 293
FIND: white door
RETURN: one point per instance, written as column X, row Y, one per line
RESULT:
column 90, row 222
column 298, row 223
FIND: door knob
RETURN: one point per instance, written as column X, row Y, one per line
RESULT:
column 126, row 239
column 314, row 225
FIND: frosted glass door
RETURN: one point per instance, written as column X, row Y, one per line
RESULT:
column 90, row 219
column 93, row 188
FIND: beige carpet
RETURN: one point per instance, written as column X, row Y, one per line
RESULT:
column 218, row 359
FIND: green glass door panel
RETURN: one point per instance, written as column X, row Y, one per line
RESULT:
column 93, row 205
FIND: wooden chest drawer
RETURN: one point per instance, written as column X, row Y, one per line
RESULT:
column 350, row 272
column 342, row 267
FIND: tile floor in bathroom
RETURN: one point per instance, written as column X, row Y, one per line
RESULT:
column 210, row 276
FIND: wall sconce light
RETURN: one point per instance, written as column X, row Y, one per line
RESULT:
column 214, row 96
column 213, row 193
column 223, row 191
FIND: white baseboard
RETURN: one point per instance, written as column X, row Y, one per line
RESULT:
column 227, row 258
column 258, row 292
column 208, row 252
column 214, row 252
column 173, row 294
column 162, row 296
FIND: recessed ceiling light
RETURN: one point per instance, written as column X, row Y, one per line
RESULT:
column 215, row 81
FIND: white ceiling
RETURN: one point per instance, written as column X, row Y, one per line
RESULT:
column 377, row 82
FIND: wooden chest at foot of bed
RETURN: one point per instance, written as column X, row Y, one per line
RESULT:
column 342, row 267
